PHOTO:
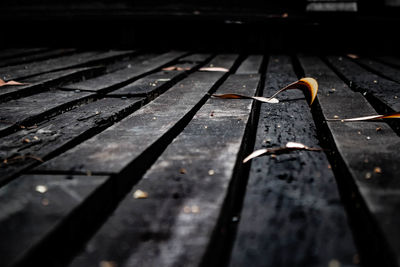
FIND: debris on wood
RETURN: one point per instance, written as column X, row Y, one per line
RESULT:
column 237, row 96
column 308, row 85
column 290, row 146
column 395, row 115
column 41, row 189
column 4, row 83
column 139, row 194
column 175, row 68
column 214, row 69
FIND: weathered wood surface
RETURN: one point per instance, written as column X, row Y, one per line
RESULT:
column 137, row 68
column 379, row 68
column 383, row 90
column 43, row 82
column 186, row 189
column 250, row 65
column 76, row 60
column 40, row 204
column 18, row 52
column 145, row 85
column 35, row 56
column 55, row 135
column 369, row 151
column 26, row 111
column 193, row 90
column 144, row 128
column 292, row 214
column 105, row 153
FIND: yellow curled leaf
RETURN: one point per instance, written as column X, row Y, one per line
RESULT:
column 308, row 85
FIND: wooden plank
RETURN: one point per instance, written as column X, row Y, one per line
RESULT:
column 29, row 110
column 178, row 104
column 38, row 56
column 76, row 60
column 291, row 214
column 112, row 150
column 123, row 76
column 362, row 147
column 37, row 204
column 43, row 82
column 383, row 90
column 52, row 137
column 187, row 186
column 381, row 69
column 145, row 85
column 393, row 61
column 251, row 65
column 17, row 52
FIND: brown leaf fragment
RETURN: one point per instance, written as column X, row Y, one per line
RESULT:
column 353, row 56
column 395, row 115
column 308, row 85
column 258, row 98
column 175, row 68
column 4, row 83
column 214, row 69
column 290, row 146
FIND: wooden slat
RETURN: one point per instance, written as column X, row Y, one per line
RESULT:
column 43, row 82
column 145, row 85
column 171, row 109
column 57, row 134
column 393, row 61
column 32, row 109
column 379, row 68
column 186, row 189
column 33, row 57
column 291, row 214
column 27, row 213
column 139, row 67
column 18, row 52
column 105, row 153
column 383, row 90
column 251, row 65
column 363, row 147
column 76, row 60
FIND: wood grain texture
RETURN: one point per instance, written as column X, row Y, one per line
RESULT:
column 363, row 147
column 77, row 60
column 57, row 134
column 251, row 65
column 36, row 206
column 292, row 214
column 137, row 68
column 359, row 79
column 113, row 149
column 36, row 56
column 186, row 185
column 43, row 82
column 29, row 110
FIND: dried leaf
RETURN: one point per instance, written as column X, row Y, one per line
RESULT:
column 214, row 69
column 175, row 68
column 395, row 115
column 139, row 194
column 290, row 146
column 258, row 98
column 3, row 83
column 308, row 85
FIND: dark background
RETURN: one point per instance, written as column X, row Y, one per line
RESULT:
column 220, row 25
